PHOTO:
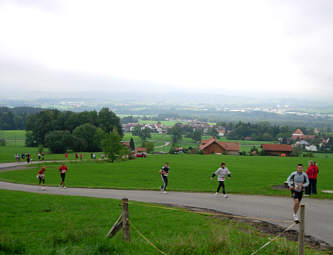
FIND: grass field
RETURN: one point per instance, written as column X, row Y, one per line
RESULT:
column 13, row 137
column 50, row 224
column 250, row 175
column 159, row 139
column 16, row 144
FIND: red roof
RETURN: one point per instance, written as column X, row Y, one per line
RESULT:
column 125, row 143
column 298, row 131
column 140, row 149
column 203, row 142
column 225, row 145
column 277, row 147
column 230, row 146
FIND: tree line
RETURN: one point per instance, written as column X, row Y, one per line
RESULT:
column 260, row 131
column 15, row 118
column 60, row 131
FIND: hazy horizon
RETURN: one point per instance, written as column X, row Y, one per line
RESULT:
column 259, row 49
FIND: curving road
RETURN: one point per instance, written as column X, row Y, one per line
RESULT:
column 276, row 210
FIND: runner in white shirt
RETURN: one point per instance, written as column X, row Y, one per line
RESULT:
column 221, row 173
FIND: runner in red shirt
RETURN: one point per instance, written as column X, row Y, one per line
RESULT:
column 41, row 176
column 63, row 169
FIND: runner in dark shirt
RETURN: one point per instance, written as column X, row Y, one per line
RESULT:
column 164, row 175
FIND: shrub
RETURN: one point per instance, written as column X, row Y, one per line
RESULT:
column 2, row 142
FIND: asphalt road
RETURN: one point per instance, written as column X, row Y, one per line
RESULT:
column 276, row 210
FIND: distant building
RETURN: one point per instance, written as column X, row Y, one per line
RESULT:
column 311, row 148
column 221, row 132
column 125, row 144
column 212, row 146
column 140, row 150
column 277, row 149
column 299, row 135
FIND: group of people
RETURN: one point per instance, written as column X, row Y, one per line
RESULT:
column 221, row 174
column 27, row 156
column 297, row 182
column 62, row 169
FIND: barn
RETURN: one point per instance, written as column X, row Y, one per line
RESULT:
column 212, row 146
column 277, row 149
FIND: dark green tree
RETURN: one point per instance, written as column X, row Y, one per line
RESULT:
column 136, row 131
column 176, row 134
column 41, row 124
column 108, row 121
column 196, row 136
column 132, row 144
column 144, row 134
column 111, row 145
column 2, row 142
column 58, row 141
column 87, row 137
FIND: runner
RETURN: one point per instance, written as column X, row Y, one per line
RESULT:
column 221, row 173
column 315, row 176
column 63, row 169
column 310, row 173
column 41, row 176
column 164, row 175
column 28, row 158
column 297, row 181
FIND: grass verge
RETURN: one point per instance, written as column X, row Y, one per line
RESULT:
column 50, row 224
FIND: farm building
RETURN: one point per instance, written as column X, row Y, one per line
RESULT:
column 277, row 149
column 125, row 144
column 140, row 150
column 212, row 146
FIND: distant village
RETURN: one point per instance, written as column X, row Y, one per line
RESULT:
column 297, row 141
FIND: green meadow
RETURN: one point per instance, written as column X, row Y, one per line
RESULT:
column 16, row 144
column 50, row 224
column 250, row 174
column 13, row 137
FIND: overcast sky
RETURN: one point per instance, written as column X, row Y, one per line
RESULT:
column 241, row 46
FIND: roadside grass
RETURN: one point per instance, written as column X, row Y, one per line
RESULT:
column 54, row 224
column 250, row 174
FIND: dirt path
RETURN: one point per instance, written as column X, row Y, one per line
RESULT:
column 164, row 145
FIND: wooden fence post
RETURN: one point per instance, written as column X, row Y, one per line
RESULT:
column 301, row 232
column 126, row 227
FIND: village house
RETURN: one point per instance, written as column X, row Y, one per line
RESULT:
column 311, row 148
column 125, row 144
column 221, row 132
column 299, row 135
column 213, row 146
column 277, row 149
